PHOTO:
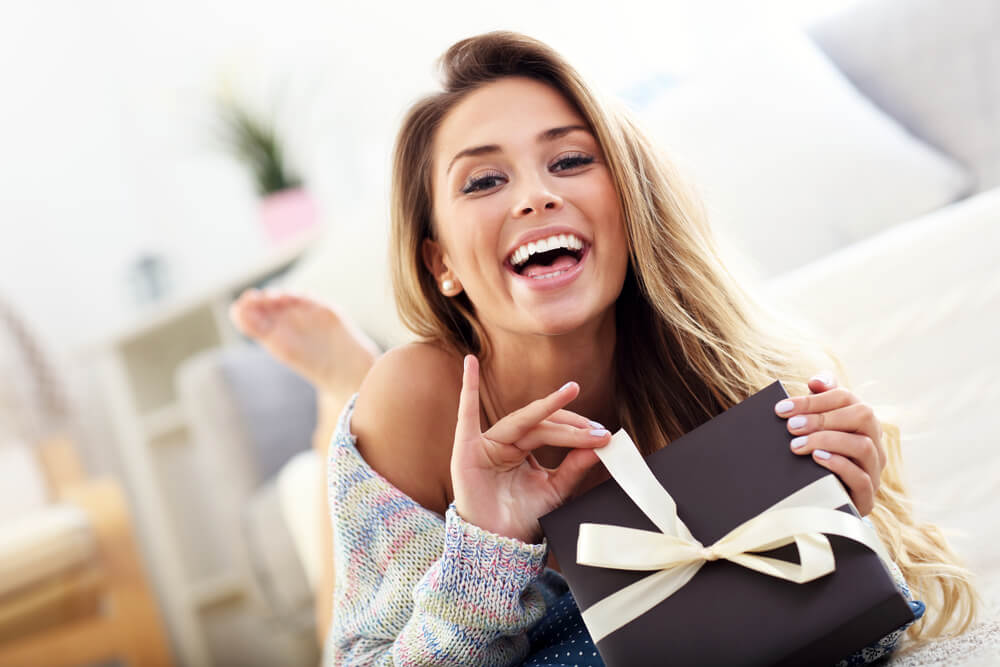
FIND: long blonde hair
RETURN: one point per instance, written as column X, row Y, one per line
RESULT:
column 688, row 334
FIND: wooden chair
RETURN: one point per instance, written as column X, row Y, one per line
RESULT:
column 97, row 610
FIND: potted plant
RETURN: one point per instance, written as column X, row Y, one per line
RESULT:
column 286, row 207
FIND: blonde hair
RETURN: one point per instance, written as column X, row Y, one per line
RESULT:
column 687, row 332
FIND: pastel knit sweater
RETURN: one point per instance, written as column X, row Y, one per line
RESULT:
column 415, row 588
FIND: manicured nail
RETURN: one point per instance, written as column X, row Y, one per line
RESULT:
column 595, row 424
column 566, row 386
column 822, row 454
column 823, row 377
column 784, row 406
column 600, row 432
column 797, row 422
column 799, row 442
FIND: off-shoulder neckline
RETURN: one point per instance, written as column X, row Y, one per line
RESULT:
column 343, row 437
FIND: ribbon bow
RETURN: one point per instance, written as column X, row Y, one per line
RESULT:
column 803, row 517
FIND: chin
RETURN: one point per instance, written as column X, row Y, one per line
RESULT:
column 561, row 320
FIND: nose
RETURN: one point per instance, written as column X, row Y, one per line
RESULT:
column 536, row 198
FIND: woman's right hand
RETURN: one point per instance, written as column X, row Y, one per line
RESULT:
column 499, row 485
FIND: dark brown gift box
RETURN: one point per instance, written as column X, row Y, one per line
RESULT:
column 721, row 474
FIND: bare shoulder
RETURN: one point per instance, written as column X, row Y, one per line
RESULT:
column 404, row 420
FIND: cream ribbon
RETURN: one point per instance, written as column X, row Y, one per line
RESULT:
column 802, row 518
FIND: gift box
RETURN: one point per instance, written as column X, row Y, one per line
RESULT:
column 745, row 553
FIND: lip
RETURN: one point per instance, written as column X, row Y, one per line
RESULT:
column 545, row 284
column 544, row 233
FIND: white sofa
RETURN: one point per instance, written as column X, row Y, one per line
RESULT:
column 869, row 216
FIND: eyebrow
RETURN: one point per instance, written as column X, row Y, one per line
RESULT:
column 547, row 135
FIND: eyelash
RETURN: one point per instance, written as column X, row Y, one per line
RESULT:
column 568, row 162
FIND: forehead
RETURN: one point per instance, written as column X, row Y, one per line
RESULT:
column 503, row 111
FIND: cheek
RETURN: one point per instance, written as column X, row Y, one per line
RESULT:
column 609, row 217
column 472, row 230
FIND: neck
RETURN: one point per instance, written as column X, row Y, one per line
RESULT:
column 523, row 368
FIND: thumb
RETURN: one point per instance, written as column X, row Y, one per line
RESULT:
column 572, row 470
column 468, row 427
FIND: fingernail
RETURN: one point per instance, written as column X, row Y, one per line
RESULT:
column 595, row 424
column 566, row 386
column 823, row 377
column 822, row 454
column 797, row 422
column 799, row 442
column 600, row 432
column 784, row 406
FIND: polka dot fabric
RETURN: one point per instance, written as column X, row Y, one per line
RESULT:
column 560, row 639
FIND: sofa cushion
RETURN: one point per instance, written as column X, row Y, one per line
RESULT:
column 300, row 495
column 43, row 543
column 277, row 405
column 277, row 570
column 913, row 314
column 934, row 65
column 792, row 162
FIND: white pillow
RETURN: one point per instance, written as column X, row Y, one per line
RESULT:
column 790, row 159
column 934, row 65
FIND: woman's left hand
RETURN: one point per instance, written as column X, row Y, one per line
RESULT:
column 842, row 434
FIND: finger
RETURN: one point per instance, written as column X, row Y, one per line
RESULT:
column 858, row 448
column 573, row 419
column 516, row 425
column 571, row 472
column 562, row 435
column 822, row 381
column 858, row 484
column 854, row 418
column 468, row 427
column 828, row 400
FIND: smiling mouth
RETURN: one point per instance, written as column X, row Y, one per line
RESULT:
column 547, row 258
column 549, row 264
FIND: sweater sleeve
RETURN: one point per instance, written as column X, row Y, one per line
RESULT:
column 473, row 606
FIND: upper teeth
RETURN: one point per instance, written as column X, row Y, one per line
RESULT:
column 522, row 253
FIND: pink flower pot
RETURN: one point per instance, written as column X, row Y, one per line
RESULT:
column 287, row 213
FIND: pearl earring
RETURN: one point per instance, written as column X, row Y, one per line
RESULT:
column 447, row 285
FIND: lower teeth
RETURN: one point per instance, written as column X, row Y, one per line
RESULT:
column 549, row 275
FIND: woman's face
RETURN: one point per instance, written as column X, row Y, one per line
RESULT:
column 527, row 218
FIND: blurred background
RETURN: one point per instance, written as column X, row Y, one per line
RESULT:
column 159, row 158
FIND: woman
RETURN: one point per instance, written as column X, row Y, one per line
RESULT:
column 540, row 236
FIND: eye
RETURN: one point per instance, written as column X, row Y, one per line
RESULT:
column 571, row 161
column 483, row 182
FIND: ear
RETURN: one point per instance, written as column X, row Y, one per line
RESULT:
column 436, row 262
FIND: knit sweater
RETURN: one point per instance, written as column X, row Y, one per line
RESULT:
column 415, row 588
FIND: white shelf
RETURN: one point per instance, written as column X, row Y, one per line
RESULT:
column 154, row 317
column 215, row 590
column 163, row 421
column 137, row 363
